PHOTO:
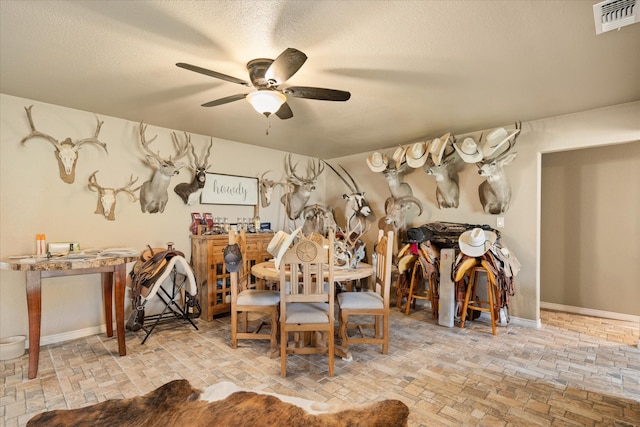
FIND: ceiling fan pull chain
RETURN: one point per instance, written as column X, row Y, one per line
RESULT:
column 268, row 125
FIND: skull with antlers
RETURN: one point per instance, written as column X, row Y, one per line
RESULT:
column 67, row 150
column 107, row 196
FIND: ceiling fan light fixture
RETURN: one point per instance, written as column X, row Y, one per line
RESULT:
column 266, row 101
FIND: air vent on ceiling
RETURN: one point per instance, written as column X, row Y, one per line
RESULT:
column 613, row 14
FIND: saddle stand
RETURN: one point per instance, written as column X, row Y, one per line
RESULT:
column 173, row 282
column 175, row 306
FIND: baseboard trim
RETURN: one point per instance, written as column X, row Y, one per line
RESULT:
column 590, row 312
column 71, row 335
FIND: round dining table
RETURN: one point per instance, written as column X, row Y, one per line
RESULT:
column 267, row 272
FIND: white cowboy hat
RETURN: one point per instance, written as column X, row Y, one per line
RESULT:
column 286, row 243
column 476, row 242
column 377, row 162
column 417, row 154
column 468, row 150
column 496, row 139
column 399, row 155
column 437, row 148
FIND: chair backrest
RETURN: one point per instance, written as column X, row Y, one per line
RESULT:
column 382, row 273
column 304, row 270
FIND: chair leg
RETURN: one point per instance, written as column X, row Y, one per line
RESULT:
column 344, row 323
column 244, row 316
column 234, row 329
column 410, row 298
column 283, row 351
column 492, row 311
column 463, row 316
column 331, row 351
column 273, row 341
column 385, row 334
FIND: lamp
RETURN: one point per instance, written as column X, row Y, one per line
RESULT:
column 266, row 101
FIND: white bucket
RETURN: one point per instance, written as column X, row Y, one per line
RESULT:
column 12, row 347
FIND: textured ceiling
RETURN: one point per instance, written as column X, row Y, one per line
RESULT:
column 415, row 69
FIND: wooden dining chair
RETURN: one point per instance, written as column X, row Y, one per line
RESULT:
column 245, row 299
column 369, row 303
column 306, row 301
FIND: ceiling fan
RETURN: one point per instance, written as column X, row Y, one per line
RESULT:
column 266, row 76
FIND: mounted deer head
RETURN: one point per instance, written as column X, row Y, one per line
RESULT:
column 357, row 209
column 394, row 175
column 189, row 192
column 318, row 219
column 495, row 191
column 107, row 196
column 298, row 188
column 266, row 189
column 67, row 150
column 446, row 175
column 153, row 194
column 395, row 218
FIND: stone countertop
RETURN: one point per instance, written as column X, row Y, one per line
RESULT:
column 64, row 263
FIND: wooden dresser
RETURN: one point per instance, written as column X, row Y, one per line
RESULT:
column 214, row 290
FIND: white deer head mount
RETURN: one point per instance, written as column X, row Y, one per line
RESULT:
column 107, row 196
column 189, row 191
column 299, row 189
column 395, row 218
column 153, row 194
column 266, row 189
column 67, row 150
column 447, row 178
column 495, row 191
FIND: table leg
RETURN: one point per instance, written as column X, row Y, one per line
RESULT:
column 34, row 307
column 120, row 284
column 107, row 298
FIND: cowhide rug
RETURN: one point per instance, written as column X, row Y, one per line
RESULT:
column 178, row 404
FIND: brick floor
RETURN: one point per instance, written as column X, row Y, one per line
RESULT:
column 573, row 371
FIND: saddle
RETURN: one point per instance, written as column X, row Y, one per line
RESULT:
column 147, row 269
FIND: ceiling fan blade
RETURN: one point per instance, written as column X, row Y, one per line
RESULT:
column 317, row 93
column 284, row 112
column 284, row 66
column 211, row 73
column 225, row 100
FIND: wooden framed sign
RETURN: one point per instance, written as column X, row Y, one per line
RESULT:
column 229, row 190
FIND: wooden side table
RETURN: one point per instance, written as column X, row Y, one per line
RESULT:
column 113, row 271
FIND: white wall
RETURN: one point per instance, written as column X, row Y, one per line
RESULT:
column 33, row 200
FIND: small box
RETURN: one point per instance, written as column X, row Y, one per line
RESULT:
column 63, row 247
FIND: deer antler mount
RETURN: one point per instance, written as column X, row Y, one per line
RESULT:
column 67, row 150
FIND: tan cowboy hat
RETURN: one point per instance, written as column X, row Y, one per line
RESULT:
column 276, row 241
column 417, row 154
column 468, row 150
column 437, row 148
column 399, row 155
column 496, row 139
column 286, row 243
column 476, row 242
column 377, row 161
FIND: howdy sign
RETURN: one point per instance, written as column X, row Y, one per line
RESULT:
column 229, row 190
